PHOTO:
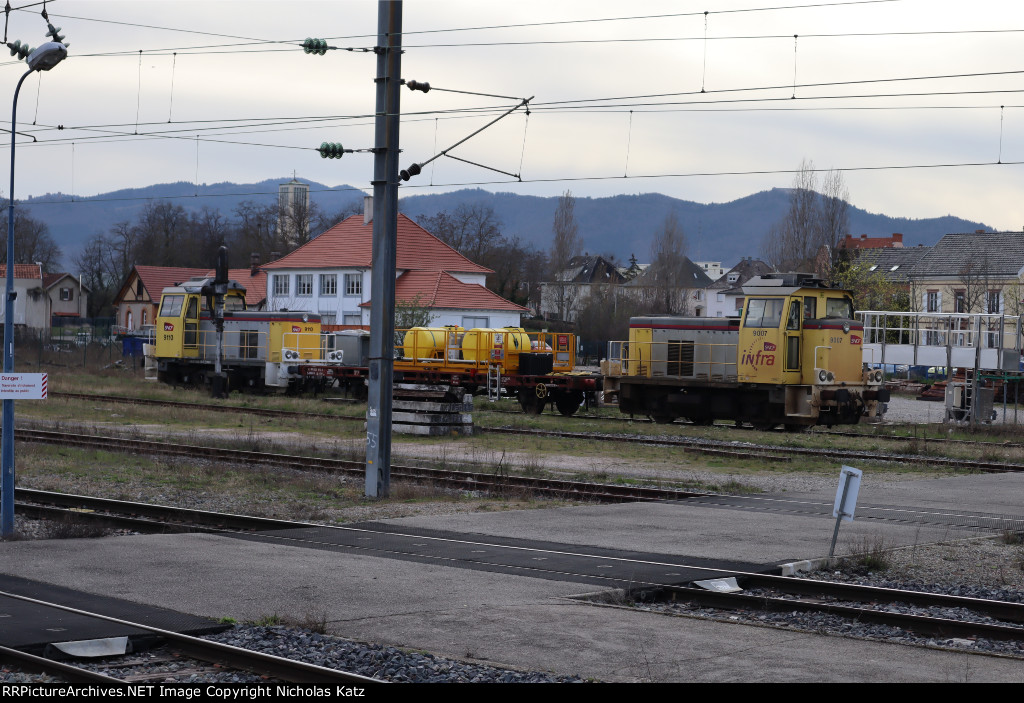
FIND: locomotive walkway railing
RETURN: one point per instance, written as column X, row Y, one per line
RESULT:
column 706, row 360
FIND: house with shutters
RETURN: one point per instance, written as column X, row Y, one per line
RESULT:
column 45, row 299
column 330, row 275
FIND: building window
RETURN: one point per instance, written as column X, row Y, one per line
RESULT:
column 353, row 319
column 994, row 302
column 280, row 284
column 353, row 284
column 65, row 294
column 328, row 284
column 328, row 318
column 474, row 322
column 304, row 284
column 739, row 303
column 959, row 301
column 733, row 277
column 932, row 301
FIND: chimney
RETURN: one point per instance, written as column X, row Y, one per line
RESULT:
column 979, row 231
column 254, row 263
column 367, row 209
column 275, row 255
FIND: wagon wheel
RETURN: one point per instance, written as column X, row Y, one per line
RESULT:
column 530, row 403
column 568, row 402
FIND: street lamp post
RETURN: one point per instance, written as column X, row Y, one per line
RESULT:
column 42, row 59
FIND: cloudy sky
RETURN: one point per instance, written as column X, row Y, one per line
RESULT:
column 917, row 101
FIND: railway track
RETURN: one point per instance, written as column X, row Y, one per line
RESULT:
column 208, row 652
column 926, row 614
column 772, row 453
column 495, row 483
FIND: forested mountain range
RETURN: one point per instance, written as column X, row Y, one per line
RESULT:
column 621, row 225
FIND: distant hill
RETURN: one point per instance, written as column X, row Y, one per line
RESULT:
column 621, row 225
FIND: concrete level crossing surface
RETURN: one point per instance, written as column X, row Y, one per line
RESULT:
column 515, row 617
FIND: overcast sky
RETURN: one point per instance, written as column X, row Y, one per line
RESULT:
column 209, row 100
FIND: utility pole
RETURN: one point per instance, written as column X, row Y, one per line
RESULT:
column 385, row 235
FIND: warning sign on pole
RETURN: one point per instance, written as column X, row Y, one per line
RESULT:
column 23, row 386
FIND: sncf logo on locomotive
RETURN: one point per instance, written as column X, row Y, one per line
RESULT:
column 168, row 327
column 768, row 346
column 854, row 339
column 296, row 329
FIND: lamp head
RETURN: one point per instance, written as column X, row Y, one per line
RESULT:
column 47, row 56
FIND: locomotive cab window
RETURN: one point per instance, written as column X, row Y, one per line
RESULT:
column 839, row 307
column 764, row 312
column 171, row 306
column 810, row 308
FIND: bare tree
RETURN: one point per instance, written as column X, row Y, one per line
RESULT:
column 974, row 276
column 32, row 241
column 808, row 235
column 472, row 230
column 666, row 276
column 321, row 221
column 565, row 245
column 834, row 221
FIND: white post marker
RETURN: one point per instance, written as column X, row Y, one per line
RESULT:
column 846, row 500
column 23, row 386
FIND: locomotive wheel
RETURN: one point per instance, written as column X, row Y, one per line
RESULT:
column 568, row 402
column 764, row 426
column 530, row 403
column 702, row 421
column 663, row 419
column 794, row 427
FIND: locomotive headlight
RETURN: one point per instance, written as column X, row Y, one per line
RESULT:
column 846, row 327
column 305, row 317
column 878, row 376
column 290, row 354
column 822, row 375
column 831, row 377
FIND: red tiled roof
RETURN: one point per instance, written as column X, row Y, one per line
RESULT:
column 50, row 278
column 23, row 271
column 438, row 289
column 156, row 278
column 349, row 245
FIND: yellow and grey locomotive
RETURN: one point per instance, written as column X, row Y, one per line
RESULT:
column 794, row 358
column 259, row 348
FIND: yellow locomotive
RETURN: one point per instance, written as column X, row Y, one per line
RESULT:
column 259, row 348
column 794, row 358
